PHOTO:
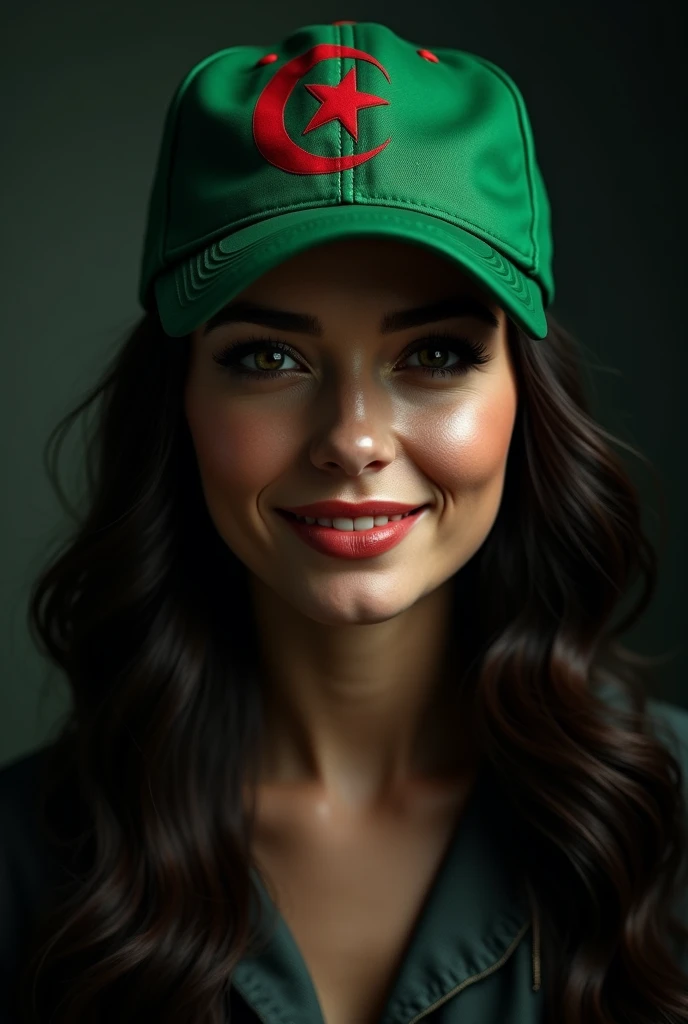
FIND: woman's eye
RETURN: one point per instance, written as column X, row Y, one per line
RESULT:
column 268, row 359
column 439, row 355
column 271, row 357
column 433, row 357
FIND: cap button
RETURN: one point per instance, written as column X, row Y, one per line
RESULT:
column 267, row 59
column 428, row 55
column 344, row 23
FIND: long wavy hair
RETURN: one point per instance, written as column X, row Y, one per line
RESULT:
column 144, row 609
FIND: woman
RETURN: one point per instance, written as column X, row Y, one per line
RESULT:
column 351, row 767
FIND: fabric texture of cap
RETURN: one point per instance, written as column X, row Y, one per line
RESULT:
column 344, row 130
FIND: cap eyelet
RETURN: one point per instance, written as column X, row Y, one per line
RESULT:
column 428, row 55
column 269, row 58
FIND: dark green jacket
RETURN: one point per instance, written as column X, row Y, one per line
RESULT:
column 473, row 957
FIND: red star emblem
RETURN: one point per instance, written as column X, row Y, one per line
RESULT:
column 341, row 101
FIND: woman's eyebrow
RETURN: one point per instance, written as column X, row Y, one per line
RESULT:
column 282, row 320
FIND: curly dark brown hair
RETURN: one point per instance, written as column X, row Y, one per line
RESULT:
column 145, row 611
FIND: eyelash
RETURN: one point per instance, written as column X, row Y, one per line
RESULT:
column 472, row 354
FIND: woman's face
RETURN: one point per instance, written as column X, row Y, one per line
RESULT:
column 355, row 413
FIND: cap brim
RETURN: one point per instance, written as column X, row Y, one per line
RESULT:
column 193, row 290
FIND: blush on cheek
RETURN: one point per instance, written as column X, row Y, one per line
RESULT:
column 242, row 453
column 471, row 444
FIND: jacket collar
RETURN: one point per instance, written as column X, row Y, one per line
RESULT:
column 477, row 909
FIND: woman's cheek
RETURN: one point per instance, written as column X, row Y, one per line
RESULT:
column 239, row 451
column 468, row 446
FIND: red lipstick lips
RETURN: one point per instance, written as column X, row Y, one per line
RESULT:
column 354, row 544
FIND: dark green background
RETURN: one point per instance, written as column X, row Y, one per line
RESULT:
column 84, row 90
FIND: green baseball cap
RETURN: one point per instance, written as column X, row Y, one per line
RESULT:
column 343, row 130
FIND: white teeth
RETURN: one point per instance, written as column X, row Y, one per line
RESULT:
column 348, row 525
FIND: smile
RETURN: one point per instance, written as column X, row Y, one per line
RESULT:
column 365, row 537
column 348, row 525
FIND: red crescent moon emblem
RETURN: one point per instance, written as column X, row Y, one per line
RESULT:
column 269, row 130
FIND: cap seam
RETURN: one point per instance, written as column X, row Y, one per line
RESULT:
column 526, row 136
column 350, row 32
column 338, row 32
